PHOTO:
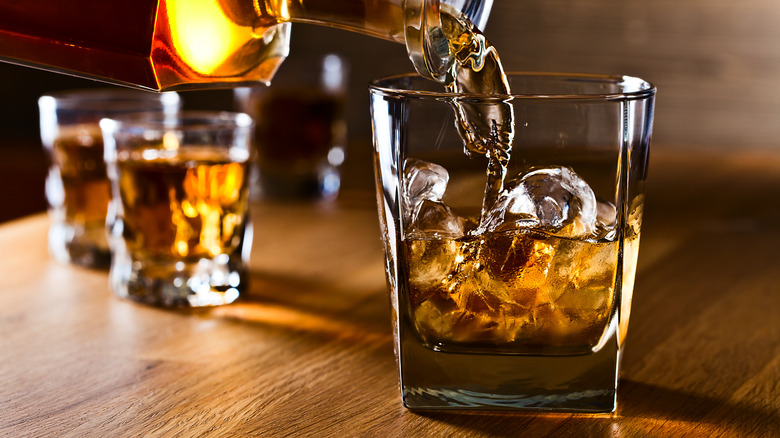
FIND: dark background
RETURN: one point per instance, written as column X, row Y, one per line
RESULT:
column 716, row 64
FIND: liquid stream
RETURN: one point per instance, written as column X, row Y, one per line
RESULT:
column 486, row 128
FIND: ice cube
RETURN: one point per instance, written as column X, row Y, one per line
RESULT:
column 433, row 217
column 606, row 220
column 422, row 180
column 424, row 187
column 513, row 209
column 552, row 199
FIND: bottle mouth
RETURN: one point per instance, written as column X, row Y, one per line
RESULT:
column 426, row 44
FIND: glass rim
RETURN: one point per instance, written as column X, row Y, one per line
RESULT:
column 188, row 120
column 639, row 88
column 94, row 98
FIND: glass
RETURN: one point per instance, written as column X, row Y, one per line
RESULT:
column 77, row 187
column 511, row 289
column 182, row 234
column 300, row 131
column 180, row 44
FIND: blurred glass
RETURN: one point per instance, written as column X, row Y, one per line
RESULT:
column 77, row 187
column 181, row 236
column 301, row 133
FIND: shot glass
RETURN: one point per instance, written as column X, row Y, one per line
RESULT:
column 511, row 256
column 77, row 187
column 182, row 233
column 301, row 132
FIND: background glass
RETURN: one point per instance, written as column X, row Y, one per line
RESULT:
column 182, row 234
column 518, row 300
column 77, row 187
column 301, row 133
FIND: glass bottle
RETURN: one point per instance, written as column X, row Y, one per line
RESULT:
column 181, row 44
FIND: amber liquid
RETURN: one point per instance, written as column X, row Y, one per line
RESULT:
column 187, row 206
column 516, row 292
column 78, row 153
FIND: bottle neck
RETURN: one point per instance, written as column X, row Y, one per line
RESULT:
column 415, row 23
column 377, row 18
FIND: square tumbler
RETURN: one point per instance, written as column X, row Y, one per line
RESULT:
column 511, row 227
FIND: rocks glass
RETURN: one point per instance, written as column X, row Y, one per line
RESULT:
column 511, row 261
column 182, row 235
column 77, row 188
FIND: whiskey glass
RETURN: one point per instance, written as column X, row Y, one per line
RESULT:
column 511, row 265
column 77, row 187
column 181, row 234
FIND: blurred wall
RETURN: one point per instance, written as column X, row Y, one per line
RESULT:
column 716, row 64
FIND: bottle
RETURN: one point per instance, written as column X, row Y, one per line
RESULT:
column 182, row 44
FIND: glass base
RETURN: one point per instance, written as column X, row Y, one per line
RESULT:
column 433, row 380
column 79, row 246
column 182, row 284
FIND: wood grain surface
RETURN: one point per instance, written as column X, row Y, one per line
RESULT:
column 309, row 352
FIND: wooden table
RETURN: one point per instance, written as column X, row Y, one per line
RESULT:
column 310, row 352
